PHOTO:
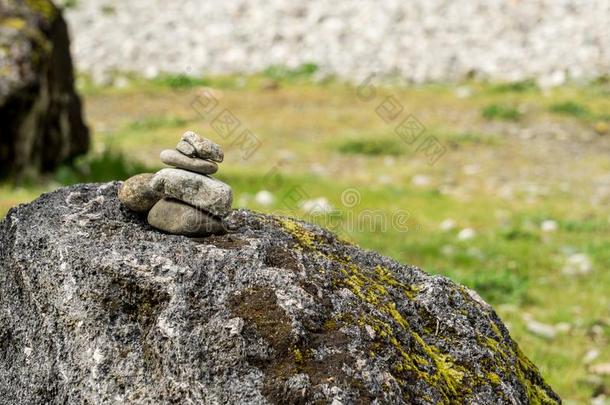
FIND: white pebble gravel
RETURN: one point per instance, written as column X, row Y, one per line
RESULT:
column 577, row 264
column 466, row 234
column 264, row 198
column 549, row 226
column 421, row 40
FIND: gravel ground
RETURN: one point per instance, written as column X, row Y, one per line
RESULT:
column 422, row 40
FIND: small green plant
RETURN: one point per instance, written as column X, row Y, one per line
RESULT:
column 470, row 138
column 515, row 87
column 67, row 4
column 586, row 225
column 372, row 147
column 501, row 112
column 571, row 108
column 517, row 233
column 600, row 86
column 181, row 81
column 107, row 9
column 304, row 71
column 157, row 122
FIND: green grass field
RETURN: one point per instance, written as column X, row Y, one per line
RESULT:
column 516, row 207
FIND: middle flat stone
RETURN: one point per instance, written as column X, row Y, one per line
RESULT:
column 174, row 158
column 200, row 191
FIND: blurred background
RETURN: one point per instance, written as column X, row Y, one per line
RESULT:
column 470, row 138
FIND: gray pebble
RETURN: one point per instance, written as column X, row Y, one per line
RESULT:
column 185, row 148
column 137, row 195
column 204, row 148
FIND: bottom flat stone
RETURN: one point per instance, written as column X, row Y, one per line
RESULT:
column 178, row 218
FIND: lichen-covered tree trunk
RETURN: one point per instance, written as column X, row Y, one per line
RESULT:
column 41, row 122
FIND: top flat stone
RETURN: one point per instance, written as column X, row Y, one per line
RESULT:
column 203, row 148
column 186, row 149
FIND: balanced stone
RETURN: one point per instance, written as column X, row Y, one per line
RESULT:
column 136, row 193
column 178, row 218
column 203, row 192
column 186, row 149
column 174, row 158
column 204, row 148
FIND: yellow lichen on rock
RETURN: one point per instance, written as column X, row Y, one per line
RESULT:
column 525, row 370
column 419, row 354
column 302, row 236
column 15, row 23
column 42, row 7
column 370, row 288
column 494, row 378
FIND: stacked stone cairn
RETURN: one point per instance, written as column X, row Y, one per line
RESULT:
column 185, row 199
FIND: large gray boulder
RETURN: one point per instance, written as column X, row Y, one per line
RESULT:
column 96, row 306
column 40, row 112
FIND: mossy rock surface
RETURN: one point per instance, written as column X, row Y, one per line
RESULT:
column 25, row 28
column 99, row 307
column 42, row 124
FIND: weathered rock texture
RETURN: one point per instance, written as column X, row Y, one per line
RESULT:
column 98, row 307
column 40, row 112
